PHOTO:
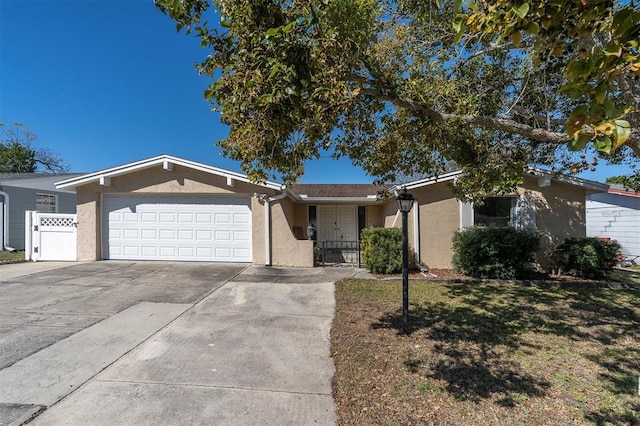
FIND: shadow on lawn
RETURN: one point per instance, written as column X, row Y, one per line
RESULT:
column 474, row 336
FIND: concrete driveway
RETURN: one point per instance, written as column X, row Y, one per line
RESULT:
column 159, row 343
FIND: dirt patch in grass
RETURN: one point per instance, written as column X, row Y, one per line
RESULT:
column 486, row 353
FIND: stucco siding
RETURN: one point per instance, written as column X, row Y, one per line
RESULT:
column 286, row 249
column 375, row 216
column 155, row 180
column 258, row 231
column 301, row 217
column 439, row 216
column 560, row 213
column 89, row 218
column 392, row 217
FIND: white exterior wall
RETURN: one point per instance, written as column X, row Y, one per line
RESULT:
column 617, row 217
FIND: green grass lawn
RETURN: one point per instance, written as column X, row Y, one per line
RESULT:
column 482, row 354
column 6, row 256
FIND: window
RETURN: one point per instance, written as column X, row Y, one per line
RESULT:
column 496, row 211
column 46, row 203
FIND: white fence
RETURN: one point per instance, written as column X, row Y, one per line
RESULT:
column 50, row 236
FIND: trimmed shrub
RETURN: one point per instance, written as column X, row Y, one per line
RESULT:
column 382, row 250
column 585, row 257
column 503, row 253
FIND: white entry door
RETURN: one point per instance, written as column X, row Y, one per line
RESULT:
column 337, row 223
column 167, row 227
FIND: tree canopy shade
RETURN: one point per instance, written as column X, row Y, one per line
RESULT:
column 407, row 87
column 18, row 154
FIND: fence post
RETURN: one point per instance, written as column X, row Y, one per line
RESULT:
column 28, row 234
column 324, row 252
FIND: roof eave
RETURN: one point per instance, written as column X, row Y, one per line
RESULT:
column 589, row 185
column 156, row 161
column 371, row 199
column 425, row 182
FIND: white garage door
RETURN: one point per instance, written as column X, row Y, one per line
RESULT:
column 195, row 228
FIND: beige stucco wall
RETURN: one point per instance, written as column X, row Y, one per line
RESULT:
column 88, row 211
column 560, row 213
column 439, row 217
column 438, row 220
column 285, row 249
column 375, row 215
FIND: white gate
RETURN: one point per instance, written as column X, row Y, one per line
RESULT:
column 50, row 236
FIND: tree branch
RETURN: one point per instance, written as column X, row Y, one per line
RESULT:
column 502, row 124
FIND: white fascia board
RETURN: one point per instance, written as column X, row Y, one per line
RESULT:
column 425, row 182
column 155, row 161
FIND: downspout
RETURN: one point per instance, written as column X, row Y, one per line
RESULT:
column 5, row 221
column 416, row 233
column 267, row 223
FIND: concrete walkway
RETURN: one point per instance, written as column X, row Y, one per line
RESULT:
column 14, row 270
column 253, row 352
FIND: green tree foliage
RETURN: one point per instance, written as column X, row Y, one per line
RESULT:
column 18, row 154
column 630, row 182
column 504, row 253
column 407, row 87
column 585, row 257
column 382, row 250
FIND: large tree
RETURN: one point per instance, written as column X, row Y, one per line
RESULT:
column 18, row 152
column 408, row 86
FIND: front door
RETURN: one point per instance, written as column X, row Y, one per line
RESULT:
column 337, row 223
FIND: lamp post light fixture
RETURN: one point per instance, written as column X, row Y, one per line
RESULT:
column 405, row 202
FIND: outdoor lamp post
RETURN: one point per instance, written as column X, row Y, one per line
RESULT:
column 405, row 202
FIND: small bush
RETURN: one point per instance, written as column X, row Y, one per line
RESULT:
column 585, row 257
column 503, row 253
column 382, row 250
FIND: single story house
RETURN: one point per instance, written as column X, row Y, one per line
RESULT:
column 615, row 215
column 30, row 191
column 168, row 208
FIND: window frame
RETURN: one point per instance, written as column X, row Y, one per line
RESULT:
column 48, row 196
column 513, row 212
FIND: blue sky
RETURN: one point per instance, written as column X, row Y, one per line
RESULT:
column 106, row 82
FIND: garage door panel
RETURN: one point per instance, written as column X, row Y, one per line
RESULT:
column 204, row 218
column 241, row 218
column 199, row 228
column 222, row 218
column 204, row 235
column 241, row 236
column 148, row 217
column 149, row 251
column 149, row 234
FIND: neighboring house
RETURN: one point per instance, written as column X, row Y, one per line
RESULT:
column 30, row 191
column 616, row 215
column 167, row 208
